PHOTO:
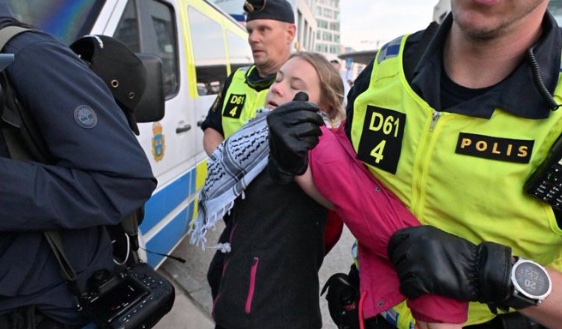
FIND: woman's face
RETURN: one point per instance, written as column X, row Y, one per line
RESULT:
column 294, row 76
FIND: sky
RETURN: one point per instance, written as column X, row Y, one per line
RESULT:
column 368, row 24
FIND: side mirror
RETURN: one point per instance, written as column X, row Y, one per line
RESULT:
column 152, row 104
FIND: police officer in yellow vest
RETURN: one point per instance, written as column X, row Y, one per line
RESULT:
column 271, row 28
column 456, row 120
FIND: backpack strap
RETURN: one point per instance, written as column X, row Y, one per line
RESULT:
column 9, row 32
column 21, row 133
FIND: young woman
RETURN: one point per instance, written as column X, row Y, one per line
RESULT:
column 270, row 273
column 276, row 243
column 373, row 214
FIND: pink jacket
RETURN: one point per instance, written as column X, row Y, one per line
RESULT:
column 372, row 213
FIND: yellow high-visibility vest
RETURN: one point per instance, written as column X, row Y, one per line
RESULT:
column 462, row 174
column 241, row 102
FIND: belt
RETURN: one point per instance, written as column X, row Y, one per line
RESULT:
column 502, row 321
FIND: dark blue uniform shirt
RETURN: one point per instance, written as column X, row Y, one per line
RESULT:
column 100, row 174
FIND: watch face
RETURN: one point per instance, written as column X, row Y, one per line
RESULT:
column 531, row 279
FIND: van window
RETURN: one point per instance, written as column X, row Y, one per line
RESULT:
column 66, row 19
column 209, row 52
column 240, row 53
column 155, row 21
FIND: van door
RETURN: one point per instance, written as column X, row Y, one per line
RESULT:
column 154, row 27
column 150, row 27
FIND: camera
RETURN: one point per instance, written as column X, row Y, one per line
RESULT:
column 137, row 297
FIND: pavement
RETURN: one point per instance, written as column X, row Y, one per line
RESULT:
column 193, row 305
column 186, row 312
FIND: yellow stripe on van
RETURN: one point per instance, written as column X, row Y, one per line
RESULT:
column 200, row 177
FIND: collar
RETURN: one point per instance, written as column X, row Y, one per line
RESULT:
column 516, row 94
column 258, row 83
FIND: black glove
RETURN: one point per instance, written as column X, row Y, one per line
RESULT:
column 294, row 129
column 343, row 298
column 431, row 261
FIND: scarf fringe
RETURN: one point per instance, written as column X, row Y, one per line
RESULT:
column 200, row 229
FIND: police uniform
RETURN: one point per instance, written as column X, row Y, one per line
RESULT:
column 458, row 158
column 243, row 94
column 99, row 173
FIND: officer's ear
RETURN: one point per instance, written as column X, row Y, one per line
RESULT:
column 291, row 32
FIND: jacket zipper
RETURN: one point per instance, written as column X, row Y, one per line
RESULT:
column 421, row 165
column 252, row 288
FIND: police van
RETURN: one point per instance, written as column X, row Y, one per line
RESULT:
column 198, row 45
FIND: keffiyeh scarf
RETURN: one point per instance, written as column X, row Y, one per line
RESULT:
column 231, row 168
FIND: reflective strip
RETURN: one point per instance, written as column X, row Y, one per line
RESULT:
column 389, row 50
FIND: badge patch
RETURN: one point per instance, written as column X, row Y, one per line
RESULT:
column 158, row 142
column 381, row 141
column 234, row 106
column 495, row 148
column 85, row 117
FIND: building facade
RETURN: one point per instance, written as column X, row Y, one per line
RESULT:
column 306, row 24
column 328, row 40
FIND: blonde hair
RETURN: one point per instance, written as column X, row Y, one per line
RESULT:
column 331, row 84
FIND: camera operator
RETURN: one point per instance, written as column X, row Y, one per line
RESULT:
column 98, row 174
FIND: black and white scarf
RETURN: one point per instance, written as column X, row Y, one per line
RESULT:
column 231, row 168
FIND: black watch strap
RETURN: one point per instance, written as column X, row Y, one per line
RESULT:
column 518, row 301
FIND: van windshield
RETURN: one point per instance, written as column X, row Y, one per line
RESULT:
column 66, row 19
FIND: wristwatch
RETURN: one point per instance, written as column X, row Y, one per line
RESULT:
column 531, row 284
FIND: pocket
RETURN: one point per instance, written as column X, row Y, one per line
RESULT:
column 252, row 287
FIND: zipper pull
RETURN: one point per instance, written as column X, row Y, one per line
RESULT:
column 436, row 117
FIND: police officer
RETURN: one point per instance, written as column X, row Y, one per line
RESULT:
column 271, row 28
column 457, row 141
column 98, row 173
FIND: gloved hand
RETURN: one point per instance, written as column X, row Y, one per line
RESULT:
column 294, row 129
column 431, row 261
